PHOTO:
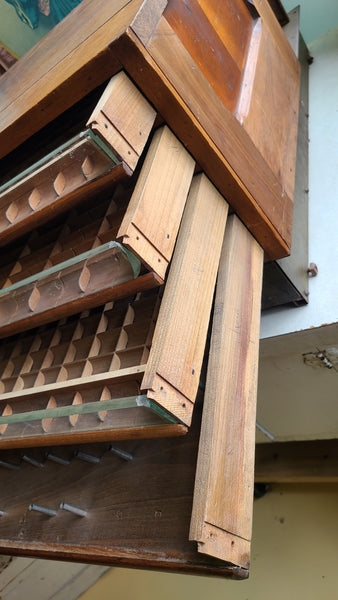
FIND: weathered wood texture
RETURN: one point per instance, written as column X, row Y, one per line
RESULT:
column 151, row 222
column 175, row 361
column 297, row 462
column 123, row 119
column 138, row 510
column 251, row 164
column 222, row 510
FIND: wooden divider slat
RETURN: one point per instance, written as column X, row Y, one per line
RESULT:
column 222, row 509
column 153, row 216
column 175, row 361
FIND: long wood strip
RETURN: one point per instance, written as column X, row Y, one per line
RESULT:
column 175, row 361
column 222, row 510
column 151, row 222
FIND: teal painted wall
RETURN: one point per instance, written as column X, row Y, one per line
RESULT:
column 15, row 34
column 316, row 17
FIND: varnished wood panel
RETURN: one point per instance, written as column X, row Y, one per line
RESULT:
column 216, row 35
column 238, row 148
column 273, row 107
column 222, row 510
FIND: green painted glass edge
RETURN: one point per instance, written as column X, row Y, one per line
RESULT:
column 134, row 262
column 87, row 408
column 162, row 412
column 53, row 155
column 106, row 149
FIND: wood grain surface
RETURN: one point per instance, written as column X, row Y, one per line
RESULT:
column 222, row 510
column 153, row 216
column 123, row 118
column 176, row 356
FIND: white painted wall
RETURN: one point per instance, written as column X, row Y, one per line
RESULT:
column 323, row 197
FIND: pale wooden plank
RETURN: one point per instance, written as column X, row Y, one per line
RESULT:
column 174, row 364
column 151, row 222
column 222, row 510
column 123, row 118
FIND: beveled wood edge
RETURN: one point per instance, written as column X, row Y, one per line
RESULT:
column 120, row 557
column 220, row 544
column 88, row 437
column 171, row 399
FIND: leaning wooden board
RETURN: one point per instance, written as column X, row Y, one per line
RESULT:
column 222, row 509
column 244, row 140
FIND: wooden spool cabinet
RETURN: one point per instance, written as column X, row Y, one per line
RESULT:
column 103, row 343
